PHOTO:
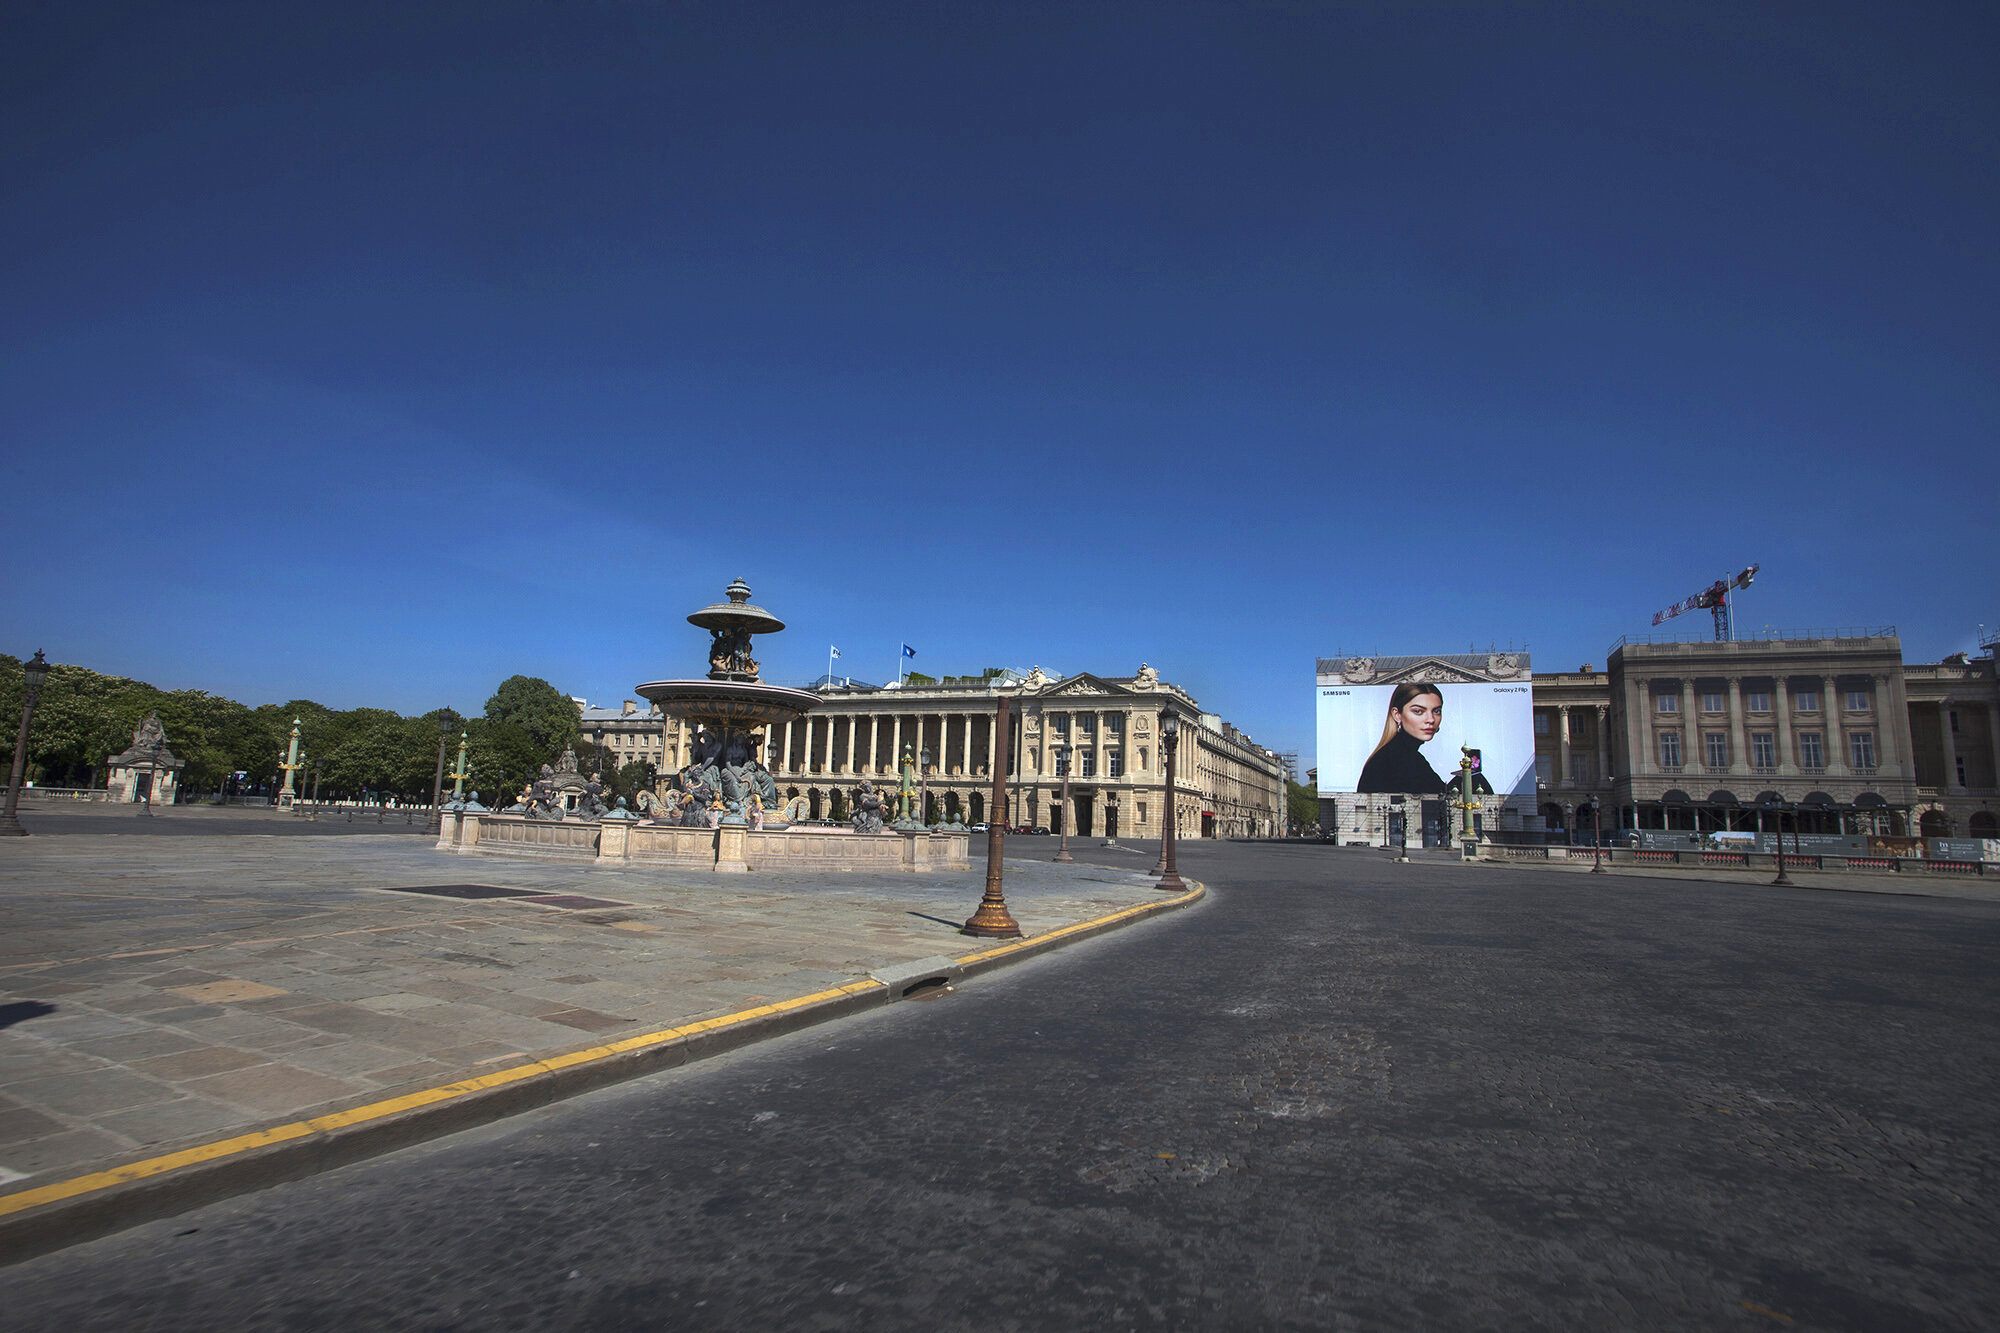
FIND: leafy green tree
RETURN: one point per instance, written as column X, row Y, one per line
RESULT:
column 545, row 713
column 504, row 758
column 629, row 781
column 1302, row 804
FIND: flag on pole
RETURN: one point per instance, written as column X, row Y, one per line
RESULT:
column 909, row 651
column 836, row 652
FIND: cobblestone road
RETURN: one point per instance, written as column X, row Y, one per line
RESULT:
column 1340, row 1094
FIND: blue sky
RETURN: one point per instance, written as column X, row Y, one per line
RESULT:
column 372, row 354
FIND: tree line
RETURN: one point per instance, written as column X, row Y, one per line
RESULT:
column 84, row 717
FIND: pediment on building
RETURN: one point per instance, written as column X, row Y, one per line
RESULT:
column 1451, row 669
column 1431, row 672
column 1085, row 683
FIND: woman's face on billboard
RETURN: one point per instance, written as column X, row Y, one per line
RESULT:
column 1420, row 717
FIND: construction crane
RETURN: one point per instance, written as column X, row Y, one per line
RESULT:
column 1715, row 597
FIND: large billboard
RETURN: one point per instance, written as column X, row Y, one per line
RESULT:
column 1396, row 724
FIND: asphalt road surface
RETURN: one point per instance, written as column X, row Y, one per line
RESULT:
column 1339, row 1094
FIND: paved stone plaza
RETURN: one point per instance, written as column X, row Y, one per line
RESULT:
column 1339, row 1093
column 161, row 987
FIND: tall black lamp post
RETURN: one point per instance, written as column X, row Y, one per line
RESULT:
column 35, row 671
column 1596, row 836
column 1170, row 739
column 924, row 787
column 1062, row 767
column 446, row 721
column 597, row 736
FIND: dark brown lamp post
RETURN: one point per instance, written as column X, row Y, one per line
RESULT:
column 1170, row 738
column 1596, row 838
column 1782, row 878
column 993, row 921
column 1062, row 766
column 597, row 736
column 446, row 721
column 35, row 670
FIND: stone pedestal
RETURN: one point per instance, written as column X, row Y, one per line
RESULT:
column 448, row 825
column 613, row 837
column 729, row 843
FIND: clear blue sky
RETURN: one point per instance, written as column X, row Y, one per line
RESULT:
column 374, row 353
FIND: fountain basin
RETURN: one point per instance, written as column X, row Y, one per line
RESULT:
column 735, row 705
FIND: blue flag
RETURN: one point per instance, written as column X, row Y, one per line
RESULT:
column 909, row 651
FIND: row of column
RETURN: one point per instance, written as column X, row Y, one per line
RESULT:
column 1834, row 735
column 1603, row 744
column 824, row 730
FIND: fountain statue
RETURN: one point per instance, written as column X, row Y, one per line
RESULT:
column 731, row 712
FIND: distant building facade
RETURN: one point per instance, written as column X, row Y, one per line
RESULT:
column 1683, row 733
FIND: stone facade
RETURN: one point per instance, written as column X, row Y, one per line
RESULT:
column 1678, row 732
column 1226, row 785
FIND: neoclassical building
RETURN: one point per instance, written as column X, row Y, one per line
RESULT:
column 1226, row 785
column 1683, row 733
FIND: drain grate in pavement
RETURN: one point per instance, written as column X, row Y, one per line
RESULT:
column 463, row 891
column 570, row 900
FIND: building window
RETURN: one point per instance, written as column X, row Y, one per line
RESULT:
column 1142, row 813
column 1862, row 743
column 1059, row 724
column 1760, row 701
column 1812, row 753
column 1114, row 764
column 1668, row 703
column 1857, row 701
column 1711, row 702
column 1808, row 701
column 1541, row 724
column 1670, row 749
column 1086, row 724
column 1717, row 749
column 1578, row 769
column 1961, row 770
column 1114, row 724
column 1763, row 750
column 1087, row 767
column 1542, row 768
column 1954, row 722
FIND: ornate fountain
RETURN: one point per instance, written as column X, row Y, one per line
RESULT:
column 730, row 714
column 722, row 811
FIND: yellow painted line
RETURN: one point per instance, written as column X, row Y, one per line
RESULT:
column 298, row 1129
column 1080, row 926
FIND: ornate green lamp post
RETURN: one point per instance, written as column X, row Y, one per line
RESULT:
column 35, row 671
column 459, row 773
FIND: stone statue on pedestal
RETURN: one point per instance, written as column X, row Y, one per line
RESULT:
column 868, row 808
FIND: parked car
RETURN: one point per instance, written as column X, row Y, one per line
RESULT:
column 982, row 828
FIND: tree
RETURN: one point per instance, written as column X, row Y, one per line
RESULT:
column 538, row 708
column 635, row 777
column 1301, row 804
column 504, row 759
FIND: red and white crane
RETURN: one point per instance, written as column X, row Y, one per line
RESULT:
column 1715, row 597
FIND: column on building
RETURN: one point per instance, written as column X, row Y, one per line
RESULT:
column 965, row 746
column 1639, row 726
column 1739, row 757
column 1690, row 726
column 896, row 743
column 1831, row 704
column 1950, row 744
column 1604, row 744
column 1781, row 714
column 1562, row 746
column 853, row 726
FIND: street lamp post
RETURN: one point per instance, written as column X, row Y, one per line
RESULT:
column 1596, row 837
column 1170, row 739
column 459, row 773
column 924, row 787
column 446, row 721
column 35, row 671
column 597, row 736
column 993, row 921
column 1062, row 766
column 1782, row 877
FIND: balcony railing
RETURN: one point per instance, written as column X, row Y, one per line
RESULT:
column 1759, row 636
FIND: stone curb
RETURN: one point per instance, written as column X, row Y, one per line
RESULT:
column 53, row 1216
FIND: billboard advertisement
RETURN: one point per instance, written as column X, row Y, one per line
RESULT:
column 1405, row 737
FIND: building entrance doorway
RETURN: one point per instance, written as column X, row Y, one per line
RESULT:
column 1208, row 823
